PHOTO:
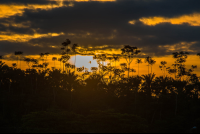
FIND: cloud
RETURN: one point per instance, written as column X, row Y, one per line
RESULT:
column 191, row 19
column 155, row 26
column 7, row 10
column 12, row 37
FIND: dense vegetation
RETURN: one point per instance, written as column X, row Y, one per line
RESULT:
column 39, row 99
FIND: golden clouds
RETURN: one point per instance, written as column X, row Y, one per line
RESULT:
column 191, row 19
column 10, row 10
column 13, row 9
column 12, row 37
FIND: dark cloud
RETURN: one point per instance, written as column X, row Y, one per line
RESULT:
column 107, row 24
column 10, row 48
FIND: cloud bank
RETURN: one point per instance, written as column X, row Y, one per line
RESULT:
column 157, row 27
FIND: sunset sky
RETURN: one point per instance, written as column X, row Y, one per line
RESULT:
column 157, row 27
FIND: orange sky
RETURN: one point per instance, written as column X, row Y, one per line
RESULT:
column 143, row 68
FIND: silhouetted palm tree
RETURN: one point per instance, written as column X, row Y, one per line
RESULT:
column 133, row 71
column 65, row 57
column 42, row 57
column 147, row 59
column 151, row 62
column 47, row 54
column 60, row 59
column 138, row 61
column 14, row 65
column 29, row 61
column 54, row 59
column 74, row 50
column 148, row 80
column 115, row 58
column 67, row 66
column 18, row 53
column 162, row 66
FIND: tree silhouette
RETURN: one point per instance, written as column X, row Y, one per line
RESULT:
column 147, row 59
column 47, row 54
column 110, row 68
column 29, row 61
column 128, row 52
column 101, row 58
column 65, row 53
column 138, row 61
column 74, row 50
column 41, row 99
column 180, row 63
column 45, row 64
column 162, row 66
column 42, row 58
column 115, row 58
column 60, row 59
column 54, row 59
column 148, row 80
column 18, row 54
column 66, row 44
column 151, row 62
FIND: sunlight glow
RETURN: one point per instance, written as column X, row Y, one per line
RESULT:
column 86, row 61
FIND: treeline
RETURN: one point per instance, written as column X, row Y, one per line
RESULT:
column 39, row 99
column 53, row 101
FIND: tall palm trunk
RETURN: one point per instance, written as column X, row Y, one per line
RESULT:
column 60, row 65
column 17, row 61
column 128, row 69
column 20, row 62
column 75, row 63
